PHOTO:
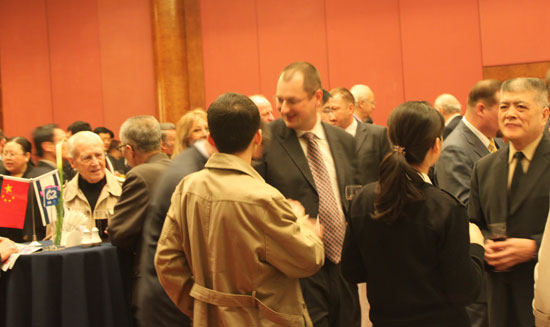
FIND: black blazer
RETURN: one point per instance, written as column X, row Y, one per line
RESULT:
column 284, row 164
column 154, row 306
column 420, row 270
column 525, row 214
column 371, row 144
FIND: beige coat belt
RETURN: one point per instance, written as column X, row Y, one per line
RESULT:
column 209, row 296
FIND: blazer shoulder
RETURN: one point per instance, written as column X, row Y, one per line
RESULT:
column 490, row 159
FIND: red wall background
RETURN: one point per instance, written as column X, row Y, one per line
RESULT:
column 66, row 60
column 403, row 49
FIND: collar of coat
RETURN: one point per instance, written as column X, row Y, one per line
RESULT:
column 112, row 185
column 232, row 162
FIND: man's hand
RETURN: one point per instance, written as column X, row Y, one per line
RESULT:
column 297, row 208
column 7, row 248
column 475, row 234
column 506, row 254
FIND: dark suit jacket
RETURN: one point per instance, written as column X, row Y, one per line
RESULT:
column 453, row 171
column 371, row 145
column 451, row 126
column 525, row 214
column 126, row 224
column 284, row 164
column 155, row 307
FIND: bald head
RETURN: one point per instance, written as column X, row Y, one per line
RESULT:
column 364, row 101
column 447, row 104
column 264, row 107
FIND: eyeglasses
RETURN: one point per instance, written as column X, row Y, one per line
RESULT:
column 122, row 146
column 11, row 154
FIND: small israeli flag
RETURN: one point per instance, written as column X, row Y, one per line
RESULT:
column 47, row 190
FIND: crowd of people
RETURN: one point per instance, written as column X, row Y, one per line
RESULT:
column 233, row 218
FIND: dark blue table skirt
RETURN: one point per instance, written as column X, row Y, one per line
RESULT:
column 72, row 287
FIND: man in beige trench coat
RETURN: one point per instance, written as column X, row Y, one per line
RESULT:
column 232, row 248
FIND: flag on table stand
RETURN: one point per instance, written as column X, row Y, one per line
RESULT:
column 13, row 201
column 47, row 190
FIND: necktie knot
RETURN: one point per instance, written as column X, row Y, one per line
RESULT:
column 309, row 136
column 519, row 156
column 492, row 146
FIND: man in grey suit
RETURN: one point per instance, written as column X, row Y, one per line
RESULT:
column 371, row 141
column 312, row 162
column 450, row 108
column 472, row 139
column 141, row 139
column 510, row 188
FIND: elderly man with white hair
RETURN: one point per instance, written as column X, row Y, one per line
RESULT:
column 94, row 190
column 364, row 102
column 450, row 108
column 264, row 107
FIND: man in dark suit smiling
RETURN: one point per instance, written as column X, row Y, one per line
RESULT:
column 312, row 162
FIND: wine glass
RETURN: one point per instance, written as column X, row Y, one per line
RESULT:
column 497, row 232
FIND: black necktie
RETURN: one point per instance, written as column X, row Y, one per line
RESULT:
column 518, row 173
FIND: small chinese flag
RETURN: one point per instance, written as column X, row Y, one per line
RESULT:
column 13, row 202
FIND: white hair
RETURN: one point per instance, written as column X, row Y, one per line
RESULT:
column 82, row 137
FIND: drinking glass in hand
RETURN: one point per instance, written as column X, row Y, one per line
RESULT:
column 351, row 191
column 497, row 232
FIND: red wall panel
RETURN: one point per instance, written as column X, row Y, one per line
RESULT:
column 514, row 31
column 441, row 48
column 364, row 47
column 75, row 61
column 287, row 35
column 127, row 66
column 230, row 47
column 24, row 66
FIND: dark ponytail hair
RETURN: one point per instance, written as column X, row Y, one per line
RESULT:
column 413, row 128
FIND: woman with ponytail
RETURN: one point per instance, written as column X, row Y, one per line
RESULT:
column 409, row 241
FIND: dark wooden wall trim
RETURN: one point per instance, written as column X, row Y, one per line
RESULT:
column 178, row 57
column 504, row 72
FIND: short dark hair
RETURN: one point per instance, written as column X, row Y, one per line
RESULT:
column 104, row 130
column 79, row 126
column 42, row 134
column 312, row 78
column 233, row 120
column 484, row 91
column 413, row 128
column 326, row 96
column 23, row 142
column 344, row 93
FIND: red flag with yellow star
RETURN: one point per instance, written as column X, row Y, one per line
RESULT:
column 13, row 202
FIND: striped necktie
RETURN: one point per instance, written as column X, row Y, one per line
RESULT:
column 329, row 215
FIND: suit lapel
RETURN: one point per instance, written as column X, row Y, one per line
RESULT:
column 476, row 143
column 337, row 152
column 538, row 166
column 290, row 143
column 360, row 135
column 499, row 199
